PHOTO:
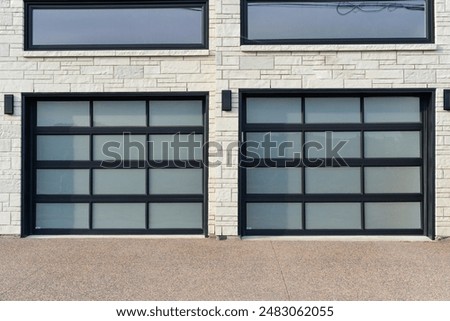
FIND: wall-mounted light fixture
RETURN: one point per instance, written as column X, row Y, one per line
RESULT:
column 226, row 100
column 9, row 104
column 446, row 99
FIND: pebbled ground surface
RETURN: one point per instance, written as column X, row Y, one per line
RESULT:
column 208, row 269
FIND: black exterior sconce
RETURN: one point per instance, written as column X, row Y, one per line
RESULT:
column 226, row 100
column 9, row 105
column 446, row 99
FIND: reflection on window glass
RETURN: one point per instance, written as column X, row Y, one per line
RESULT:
column 175, row 215
column 118, row 215
column 176, row 113
column 62, row 113
column 332, row 110
column 337, row 20
column 405, row 179
column 322, row 144
column 62, row 147
column 402, row 215
column 274, row 216
column 119, row 147
column 333, row 215
column 273, row 145
column 119, row 113
column 117, row 26
column 392, row 144
column 118, row 181
column 176, row 147
column 338, row 180
column 60, row 215
column 62, row 181
column 274, row 110
column 392, row 109
column 176, row 181
column 282, row 180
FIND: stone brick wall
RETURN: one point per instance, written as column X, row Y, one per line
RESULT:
column 83, row 71
column 225, row 65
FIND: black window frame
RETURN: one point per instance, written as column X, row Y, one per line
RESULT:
column 30, row 164
column 339, row 41
column 427, row 103
column 29, row 5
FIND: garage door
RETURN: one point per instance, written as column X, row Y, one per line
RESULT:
column 334, row 163
column 111, row 165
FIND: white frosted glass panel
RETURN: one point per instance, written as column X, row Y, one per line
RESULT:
column 274, row 110
column 392, row 179
column 62, row 181
column 285, row 216
column 176, row 147
column 341, row 180
column 332, row 110
column 60, row 215
column 316, row 144
column 392, row 144
column 119, row 113
column 63, row 113
column 119, row 181
column 391, row 109
column 274, row 180
column 175, row 215
column 176, row 181
column 62, row 147
column 176, row 113
column 118, row 215
column 333, row 215
column 120, row 147
column 393, row 215
column 274, row 145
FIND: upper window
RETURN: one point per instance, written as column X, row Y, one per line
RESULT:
column 334, row 22
column 116, row 25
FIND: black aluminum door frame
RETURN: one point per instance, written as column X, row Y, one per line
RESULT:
column 427, row 152
column 28, row 176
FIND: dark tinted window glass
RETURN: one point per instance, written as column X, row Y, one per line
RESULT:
column 117, row 26
column 337, row 20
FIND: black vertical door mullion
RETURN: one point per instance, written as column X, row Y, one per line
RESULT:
column 147, row 207
column 91, row 216
column 147, row 170
column 147, row 113
column 304, row 202
column 91, row 158
column 423, row 167
column 429, row 167
column 34, row 172
column 148, row 154
column 205, row 167
column 91, row 193
column 304, row 156
column 241, row 169
column 362, row 155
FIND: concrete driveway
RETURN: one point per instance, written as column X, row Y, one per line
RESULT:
column 207, row 269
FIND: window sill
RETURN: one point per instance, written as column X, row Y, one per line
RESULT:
column 115, row 53
column 361, row 47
